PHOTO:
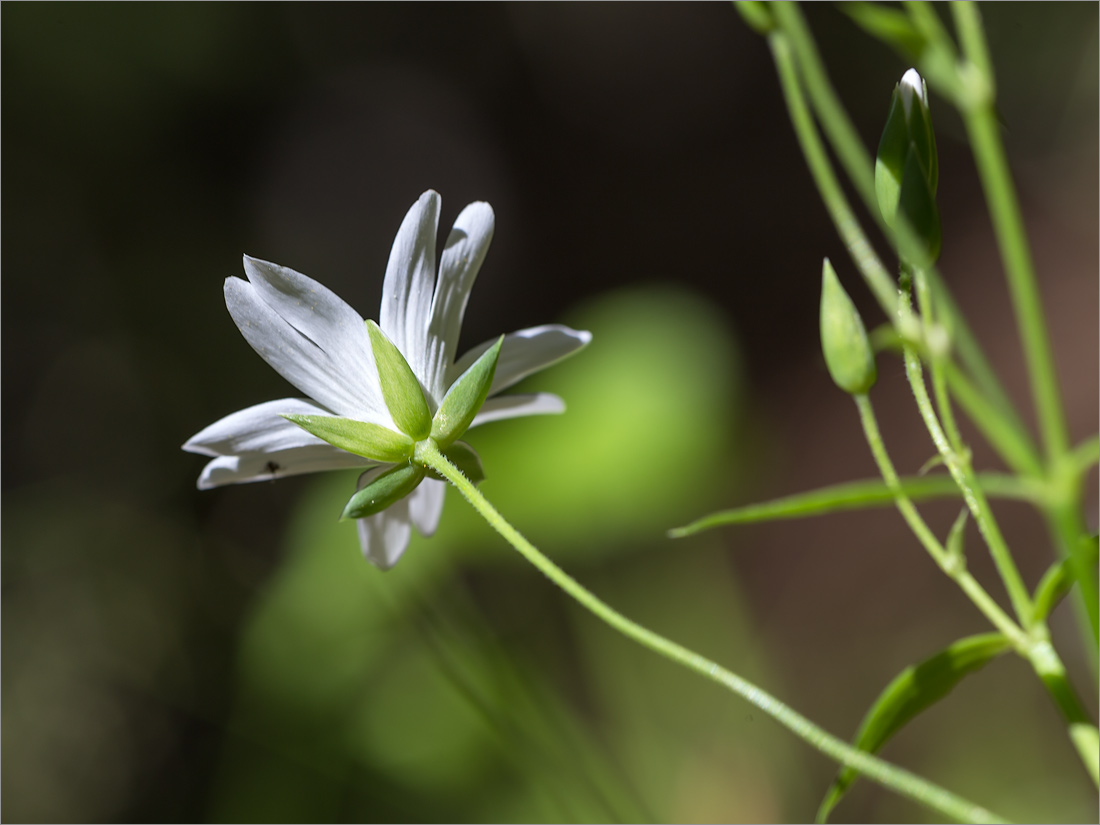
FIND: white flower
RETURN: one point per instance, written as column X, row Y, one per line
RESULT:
column 321, row 345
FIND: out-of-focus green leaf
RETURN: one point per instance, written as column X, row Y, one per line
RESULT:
column 1058, row 580
column 855, row 495
column 652, row 408
column 888, row 24
column 912, row 691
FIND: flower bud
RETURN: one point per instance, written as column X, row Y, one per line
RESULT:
column 402, row 393
column 386, row 487
column 844, row 341
column 907, row 171
column 465, row 397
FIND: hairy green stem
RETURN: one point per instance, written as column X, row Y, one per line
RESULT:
column 890, row 776
column 980, row 118
column 948, row 563
column 959, row 467
column 936, row 358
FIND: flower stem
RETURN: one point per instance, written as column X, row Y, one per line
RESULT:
column 959, row 467
column 890, row 776
column 956, row 571
column 979, row 115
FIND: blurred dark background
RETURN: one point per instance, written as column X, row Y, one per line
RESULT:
column 170, row 655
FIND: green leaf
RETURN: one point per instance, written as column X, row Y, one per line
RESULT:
column 844, row 341
column 388, row 488
column 855, row 495
column 891, row 26
column 359, row 437
column 400, row 388
column 757, row 15
column 956, row 553
column 912, row 691
column 465, row 397
column 1058, row 580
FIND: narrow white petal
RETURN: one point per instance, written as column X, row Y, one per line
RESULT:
column 426, row 505
column 298, row 359
column 514, row 406
column 410, row 283
column 525, row 352
column 269, row 466
column 322, row 317
column 257, row 429
column 462, row 257
column 385, row 536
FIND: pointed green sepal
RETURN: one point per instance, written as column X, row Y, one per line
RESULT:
column 400, row 389
column 465, row 397
column 359, row 437
column 386, row 489
column 848, row 353
column 466, row 459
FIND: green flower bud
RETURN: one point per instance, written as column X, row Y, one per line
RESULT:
column 844, row 341
column 368, row 440
column 400, row 389
column 387, row 488
column 465, row 397
column 907, row 170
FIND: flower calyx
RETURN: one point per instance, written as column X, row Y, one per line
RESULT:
column 844, row 342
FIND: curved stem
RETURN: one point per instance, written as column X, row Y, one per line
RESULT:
column 951, row 566
column 890, row 776
column 847, row 225
column 935, row 360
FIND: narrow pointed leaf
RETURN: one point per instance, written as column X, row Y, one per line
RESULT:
column 1058, row 580
column 465, row 398
column 954, row 544
column 855, row 495
column 358, row 437
column 912, row 691
column 400, row 389
column 385, row 490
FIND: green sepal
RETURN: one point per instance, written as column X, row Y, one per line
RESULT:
column 893, row 147
column 466, row 459
column 918, row 208
column 359, row 437
column 389, row 488
column 400, row 388
column 465, row 398
column 848, row 353
column 912, row 691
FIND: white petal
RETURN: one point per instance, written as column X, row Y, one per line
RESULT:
column 410, row 282
column 299, row 360
column 514, row 406
column 322, row 317
column 257, row 429
column 384, row 536
column 463, row 255
column 269, row 466
column 426, row 505
column 524, row 352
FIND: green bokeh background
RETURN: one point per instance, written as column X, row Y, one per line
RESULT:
column 170, row 655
